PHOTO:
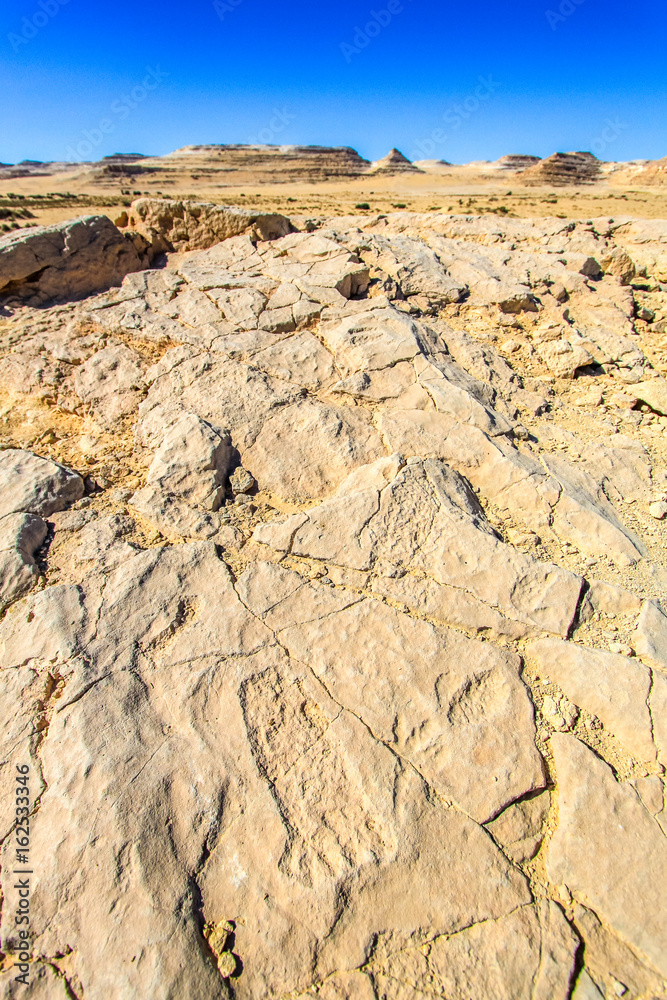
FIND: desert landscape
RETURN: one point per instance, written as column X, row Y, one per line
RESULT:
column 322, row 181
column 333, row 576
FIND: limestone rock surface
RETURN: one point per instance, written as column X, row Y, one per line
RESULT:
column 187, row 225
column 599, row 846
column 332, row 628
column 67, row 261
column 35, row 485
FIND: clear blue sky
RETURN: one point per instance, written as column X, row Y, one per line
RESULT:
column 591, row 77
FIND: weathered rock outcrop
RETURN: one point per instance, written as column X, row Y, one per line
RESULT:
column 265, row 163
column 563, row 168
column 67, row 261
column 346, row 677
column 516, row 161
column 193, row 225
column 31, row 489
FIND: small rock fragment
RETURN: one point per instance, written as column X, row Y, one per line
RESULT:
column 586, row 988
column 519, row 828
column 226, row 965
column 651, row 635
column 241, row 481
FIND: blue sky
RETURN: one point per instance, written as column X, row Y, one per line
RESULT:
column 459, row 82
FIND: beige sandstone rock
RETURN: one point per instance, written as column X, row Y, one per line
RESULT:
column 480, row 962
column 21, row 535
column 651, row 636
column 583, row 516
column 188, row 225
column 172, row 516
column 192, row 461
column 449, row 605
column 109, row 383
column 471, row 707
column 585, row 988
column 611, row 687
column 372, row 340
column 67, row 261
column 610, row 599
column 307, row 449
column 611, row 960
column 267, row 759
column 653, row 393
column 519, row 828
column 619, row 263
column 35, row 485
column 604, row 833
column 426, row 520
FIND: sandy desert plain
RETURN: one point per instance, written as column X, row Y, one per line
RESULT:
column 283, row 180
column 333, row 576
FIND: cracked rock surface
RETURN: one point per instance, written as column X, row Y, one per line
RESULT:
column 334, row 617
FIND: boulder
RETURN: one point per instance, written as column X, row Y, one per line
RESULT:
column 653, row 393
column 67, row 261
column 30, row 484
column 192, row 461
column 619, row 263
column 192, row 225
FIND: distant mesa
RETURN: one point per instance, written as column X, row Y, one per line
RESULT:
column 649, row 172
column 31, row 168
column 516, row 161
column 265, row 163
column 513, row 163
column 120, row 165
column 395, row 163
column 119, row 170
column 218, row 165
column 564, row 168
column 233, row 164
column 124, row 158
column 431, row 164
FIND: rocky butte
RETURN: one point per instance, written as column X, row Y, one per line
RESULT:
column 334, row 634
